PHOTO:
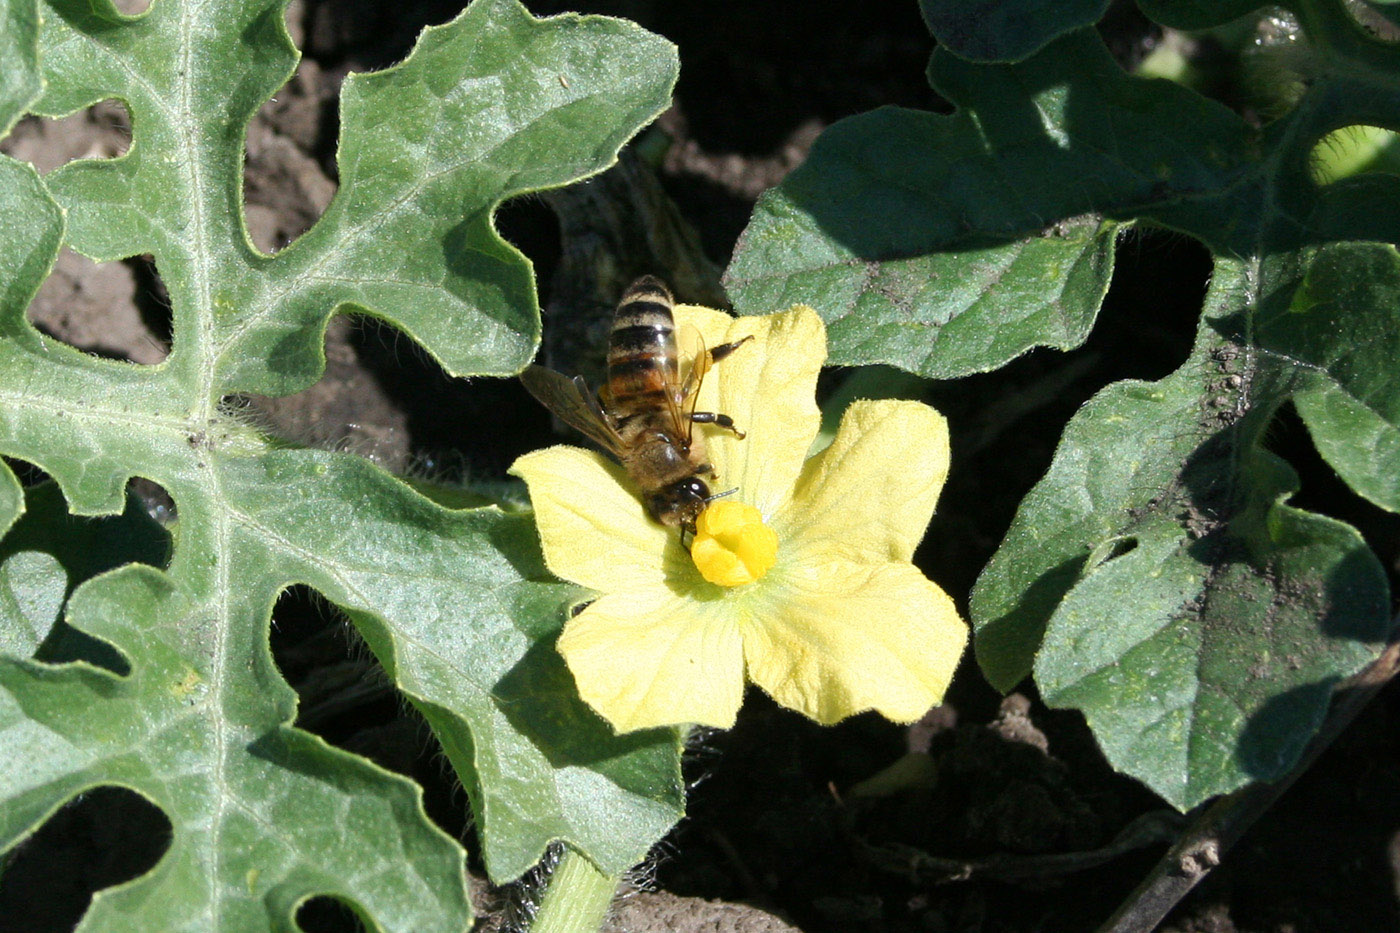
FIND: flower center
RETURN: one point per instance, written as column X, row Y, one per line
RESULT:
column 732, row 546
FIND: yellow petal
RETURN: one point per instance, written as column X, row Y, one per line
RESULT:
column 650, row 657
column 593, row 528
column 869, row 496
column 768, row 386
column 848, row 637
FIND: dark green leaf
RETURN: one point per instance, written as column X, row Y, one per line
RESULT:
column 1005, row 30
column 1340, row 335
column 1197, row 14
column 1157, row 567
column 949, row 245
column 1158, row 581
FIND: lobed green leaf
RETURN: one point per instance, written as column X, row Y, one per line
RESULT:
column 186, row 707
column 44, row 558
column 1197, row 14
column 1005, row 30
column 1340, row 336
column 1156, row 578
column 20, row 82
column 996, row 223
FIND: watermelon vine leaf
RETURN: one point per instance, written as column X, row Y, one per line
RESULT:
column 19, row 49
column 194, row 714
column 997, row 222
column 1156, row 578
column 1005, row 30
column 1197, row 14
column 47, row 554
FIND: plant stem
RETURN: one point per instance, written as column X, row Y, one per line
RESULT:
column 577, row 897
column 1219, row 826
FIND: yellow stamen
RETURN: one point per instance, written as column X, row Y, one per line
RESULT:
column 732, row 546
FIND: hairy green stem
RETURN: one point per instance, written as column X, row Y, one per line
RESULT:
column 576, row 898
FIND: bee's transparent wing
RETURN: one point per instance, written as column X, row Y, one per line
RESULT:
column 688, row 393
column 571, row 400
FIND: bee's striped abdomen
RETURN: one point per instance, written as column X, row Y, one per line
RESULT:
column 642, row 362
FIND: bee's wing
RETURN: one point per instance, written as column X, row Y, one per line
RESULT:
column 688, row 392
column 571, row 401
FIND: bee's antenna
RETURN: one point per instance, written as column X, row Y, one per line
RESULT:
column 721, row 495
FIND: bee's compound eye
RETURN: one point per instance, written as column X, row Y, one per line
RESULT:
column 680, row 502
column 695, row 488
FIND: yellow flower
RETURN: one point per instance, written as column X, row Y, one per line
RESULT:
column 810, row 591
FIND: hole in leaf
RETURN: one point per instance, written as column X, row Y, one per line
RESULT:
column 455, row 429
column 1322, row 490
column 381, row 397
column 49, row 552
column 531, row 226
column 326, row 914
column 115, row 310
column 27, row 473
column 1007, row 424
column 289, row 164
column 330, row 669
column 349, row 408
column 368, row 36
column 102, row 131
column 1354, row 150
column 104, row 837
column 131, row 7
column 152, row 300
column 345, row 698
column 158, row 503
column 1147, row 325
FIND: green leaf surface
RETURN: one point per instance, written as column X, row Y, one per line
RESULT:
column 31, row 601
column 459, row 608
column 48, row 553
column 1005, row 30
column 19, row 51
column 242, row 850
column 1341, row 336
column 1197, row 14
column 193, row 713
column 11, row 498
column 1156, row 577
column 478, row 116
column 949, row 245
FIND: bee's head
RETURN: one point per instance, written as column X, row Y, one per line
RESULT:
column 680, row 503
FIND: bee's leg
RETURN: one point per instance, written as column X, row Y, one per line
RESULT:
column 712, row 417
column 720, row 352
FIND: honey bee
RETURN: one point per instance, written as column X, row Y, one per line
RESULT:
column 645, row 415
